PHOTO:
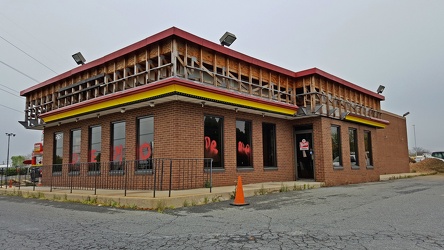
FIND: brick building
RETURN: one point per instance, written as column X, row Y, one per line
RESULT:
column 177, row 96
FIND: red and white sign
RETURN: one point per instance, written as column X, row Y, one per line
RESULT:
column 304, row 145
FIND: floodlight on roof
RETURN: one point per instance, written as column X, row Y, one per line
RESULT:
column 78, row 57
column 380, row 89
column 227, row 39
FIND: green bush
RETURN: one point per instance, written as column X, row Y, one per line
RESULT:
column 13, row 171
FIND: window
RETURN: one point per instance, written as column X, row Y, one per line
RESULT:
column 94, row 148
column 74, row 150
column 368, row 148
column 145, row 142
column 336, row 146
column 58, row 152
column 118, row 145
column 213, row 144
column 269, row 144
column 75, row 146
column 243, row 143
column 353, row 140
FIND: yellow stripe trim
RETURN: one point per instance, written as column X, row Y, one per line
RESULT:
column 234, row 100
column 365, row 121
column 165, row 90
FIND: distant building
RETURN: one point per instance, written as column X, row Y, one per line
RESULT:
column 175, row 95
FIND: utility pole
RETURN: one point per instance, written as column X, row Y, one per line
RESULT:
column 414, row 135
column 7, row 158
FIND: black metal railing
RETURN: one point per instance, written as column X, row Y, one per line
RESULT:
column 151, row 175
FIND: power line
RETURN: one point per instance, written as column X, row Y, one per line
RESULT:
column 10, row 93
column 11, row 108
column 19, row 71
column 28, row 55
column 9, row 88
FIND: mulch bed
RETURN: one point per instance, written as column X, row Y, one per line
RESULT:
column 428, row 165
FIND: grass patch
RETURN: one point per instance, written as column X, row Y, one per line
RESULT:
column 262, row 190
column 186, row 203
column 284, row 188
column 216, row 198
column 89, row 201
column 206, row 200
column 161, row 206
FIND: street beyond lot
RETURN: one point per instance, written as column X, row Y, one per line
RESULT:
column 398, row 214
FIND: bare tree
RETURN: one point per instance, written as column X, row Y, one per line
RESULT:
column 418, row 151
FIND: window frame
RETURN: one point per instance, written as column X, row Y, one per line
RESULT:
column 145, row 165
column 368, row 149
column 117, row 165
column 246, row 143
column 57, row 148
column 353, row 143
column 218, row 164
column 74, row 162
column 94, row 166
column 269, row 139
column 337, row 154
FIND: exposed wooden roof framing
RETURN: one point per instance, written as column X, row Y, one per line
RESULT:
column 181, row 55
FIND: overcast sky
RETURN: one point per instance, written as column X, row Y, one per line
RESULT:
column 399, row 44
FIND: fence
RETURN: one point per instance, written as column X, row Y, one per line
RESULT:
column 151, row 175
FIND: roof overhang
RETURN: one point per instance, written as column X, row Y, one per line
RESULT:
column 169, row 89
column 374, row 122
column 316, row 71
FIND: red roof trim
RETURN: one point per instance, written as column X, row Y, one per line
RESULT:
column 316, row 71
column 163, row 83
column 370, row 118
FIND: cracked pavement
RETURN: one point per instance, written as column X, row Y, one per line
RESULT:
column 399, row 214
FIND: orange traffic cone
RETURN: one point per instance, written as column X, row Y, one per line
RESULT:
column 239, row 199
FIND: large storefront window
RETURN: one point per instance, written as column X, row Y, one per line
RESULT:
column 58, row 152
column 95, row 148
column 213, row 144
column 353, row 140
column 336, row 146
column 368, row 148
column 118, row 145
column 75, row 146
column 145, row 142
column 243, row 143
column 74, row 150
column 269, row 144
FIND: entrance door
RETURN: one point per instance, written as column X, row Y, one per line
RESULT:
column 304, row 154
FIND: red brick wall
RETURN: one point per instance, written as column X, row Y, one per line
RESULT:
column 391, row 145
column 345, row 174
column 179, row 133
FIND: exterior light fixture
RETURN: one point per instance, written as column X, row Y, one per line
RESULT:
column 58, row 124
column 406, row 114
column 151, row 104
column 227, row 39
column 203, row 104
column 236, row 109
column 380, row 89
column 78, row 57
column 98, row 115
column 344, row 114
column 122, row 110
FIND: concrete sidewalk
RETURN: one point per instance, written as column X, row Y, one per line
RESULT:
column 144, row 199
